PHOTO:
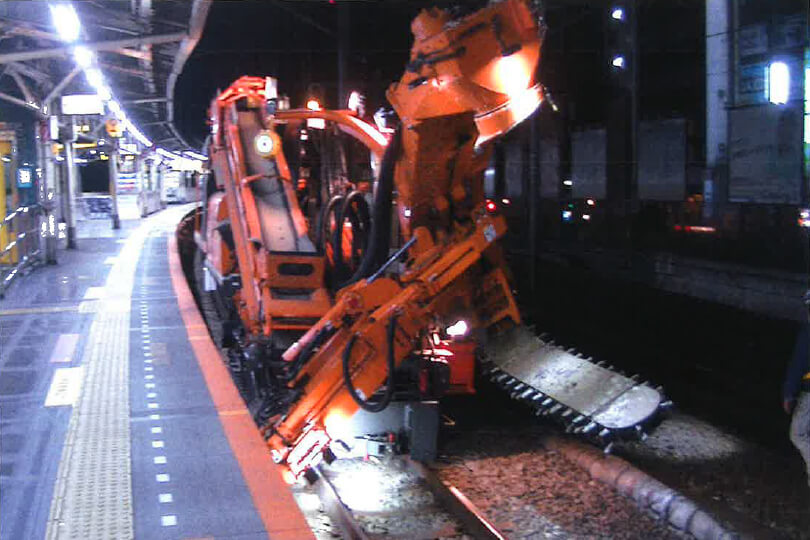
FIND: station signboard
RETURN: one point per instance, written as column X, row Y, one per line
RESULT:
column 662, row 160
column 765, row 151
column 82, row 104
column 588, row 167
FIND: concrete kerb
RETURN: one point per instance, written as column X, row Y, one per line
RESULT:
column 650, row 494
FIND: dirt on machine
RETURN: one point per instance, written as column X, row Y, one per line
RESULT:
column 346, row 263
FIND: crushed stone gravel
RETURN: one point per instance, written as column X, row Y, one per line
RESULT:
column 531, row 492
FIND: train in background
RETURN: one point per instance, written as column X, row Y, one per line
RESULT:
column 180, row 186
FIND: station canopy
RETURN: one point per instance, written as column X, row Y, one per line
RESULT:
column 129, row 53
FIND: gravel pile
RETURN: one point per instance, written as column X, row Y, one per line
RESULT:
column 531, row 492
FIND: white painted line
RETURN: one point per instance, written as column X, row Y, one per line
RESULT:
column 111, row 260
column 88, row 306
column 152, row 406
column 165, row 498
column 148, row 377
column 148, row 361
column 159, row 460
column 148, row 368
column 151, row 395
column 94, row 293
column 168, row 521
column 162, row 477
column 65, row 387
column 157, row 444
column 147, row 354
column 64, row 348
column 154, row 417
column 150, row 385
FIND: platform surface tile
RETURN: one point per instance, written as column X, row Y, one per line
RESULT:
column 107, row 427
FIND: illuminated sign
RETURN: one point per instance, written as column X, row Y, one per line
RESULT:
column 82, row 104
column 25, row 179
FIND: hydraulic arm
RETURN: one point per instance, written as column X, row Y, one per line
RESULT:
column 311, row 347
column 468, row 81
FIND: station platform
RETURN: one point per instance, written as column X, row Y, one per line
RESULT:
column 118, row 418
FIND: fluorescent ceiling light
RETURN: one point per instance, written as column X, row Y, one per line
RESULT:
column 66, row 21
column 167, row 154
column 195, row 155
column 94, row 77
column 104, row 93
column 83, row 56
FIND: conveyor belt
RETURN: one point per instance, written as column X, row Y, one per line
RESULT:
column 273, row 203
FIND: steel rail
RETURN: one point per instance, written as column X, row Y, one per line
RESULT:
column 457, row 504
column 338, row 512
column 450, row 498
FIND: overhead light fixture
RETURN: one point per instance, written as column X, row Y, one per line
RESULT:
column 195, row 155
column 618, row 61
column 94, row 77
column 143, row 139
column 66, row 21
column 83, row 56
column 617, row 14
column 778, row 83
column 165, row 153
column 104, row 93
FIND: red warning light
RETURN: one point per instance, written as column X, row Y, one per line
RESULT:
column 491, row 206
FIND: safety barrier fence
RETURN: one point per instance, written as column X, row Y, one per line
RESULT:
column 21, row 245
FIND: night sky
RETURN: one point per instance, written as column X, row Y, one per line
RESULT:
column 261, row 38
column 282, row 39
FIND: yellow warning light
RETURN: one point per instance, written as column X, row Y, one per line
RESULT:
column 115, row 128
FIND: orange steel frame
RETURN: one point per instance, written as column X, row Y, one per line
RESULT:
column 258, row 267
column 450, row 110
column 466, row 84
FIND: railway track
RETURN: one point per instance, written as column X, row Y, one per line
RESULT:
column 395, row 498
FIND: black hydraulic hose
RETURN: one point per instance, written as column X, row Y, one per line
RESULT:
column 380, row 237
column 367, row 405
column 322, row 236
column 355, row 209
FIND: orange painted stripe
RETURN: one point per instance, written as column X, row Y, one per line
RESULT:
column 271, row 495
